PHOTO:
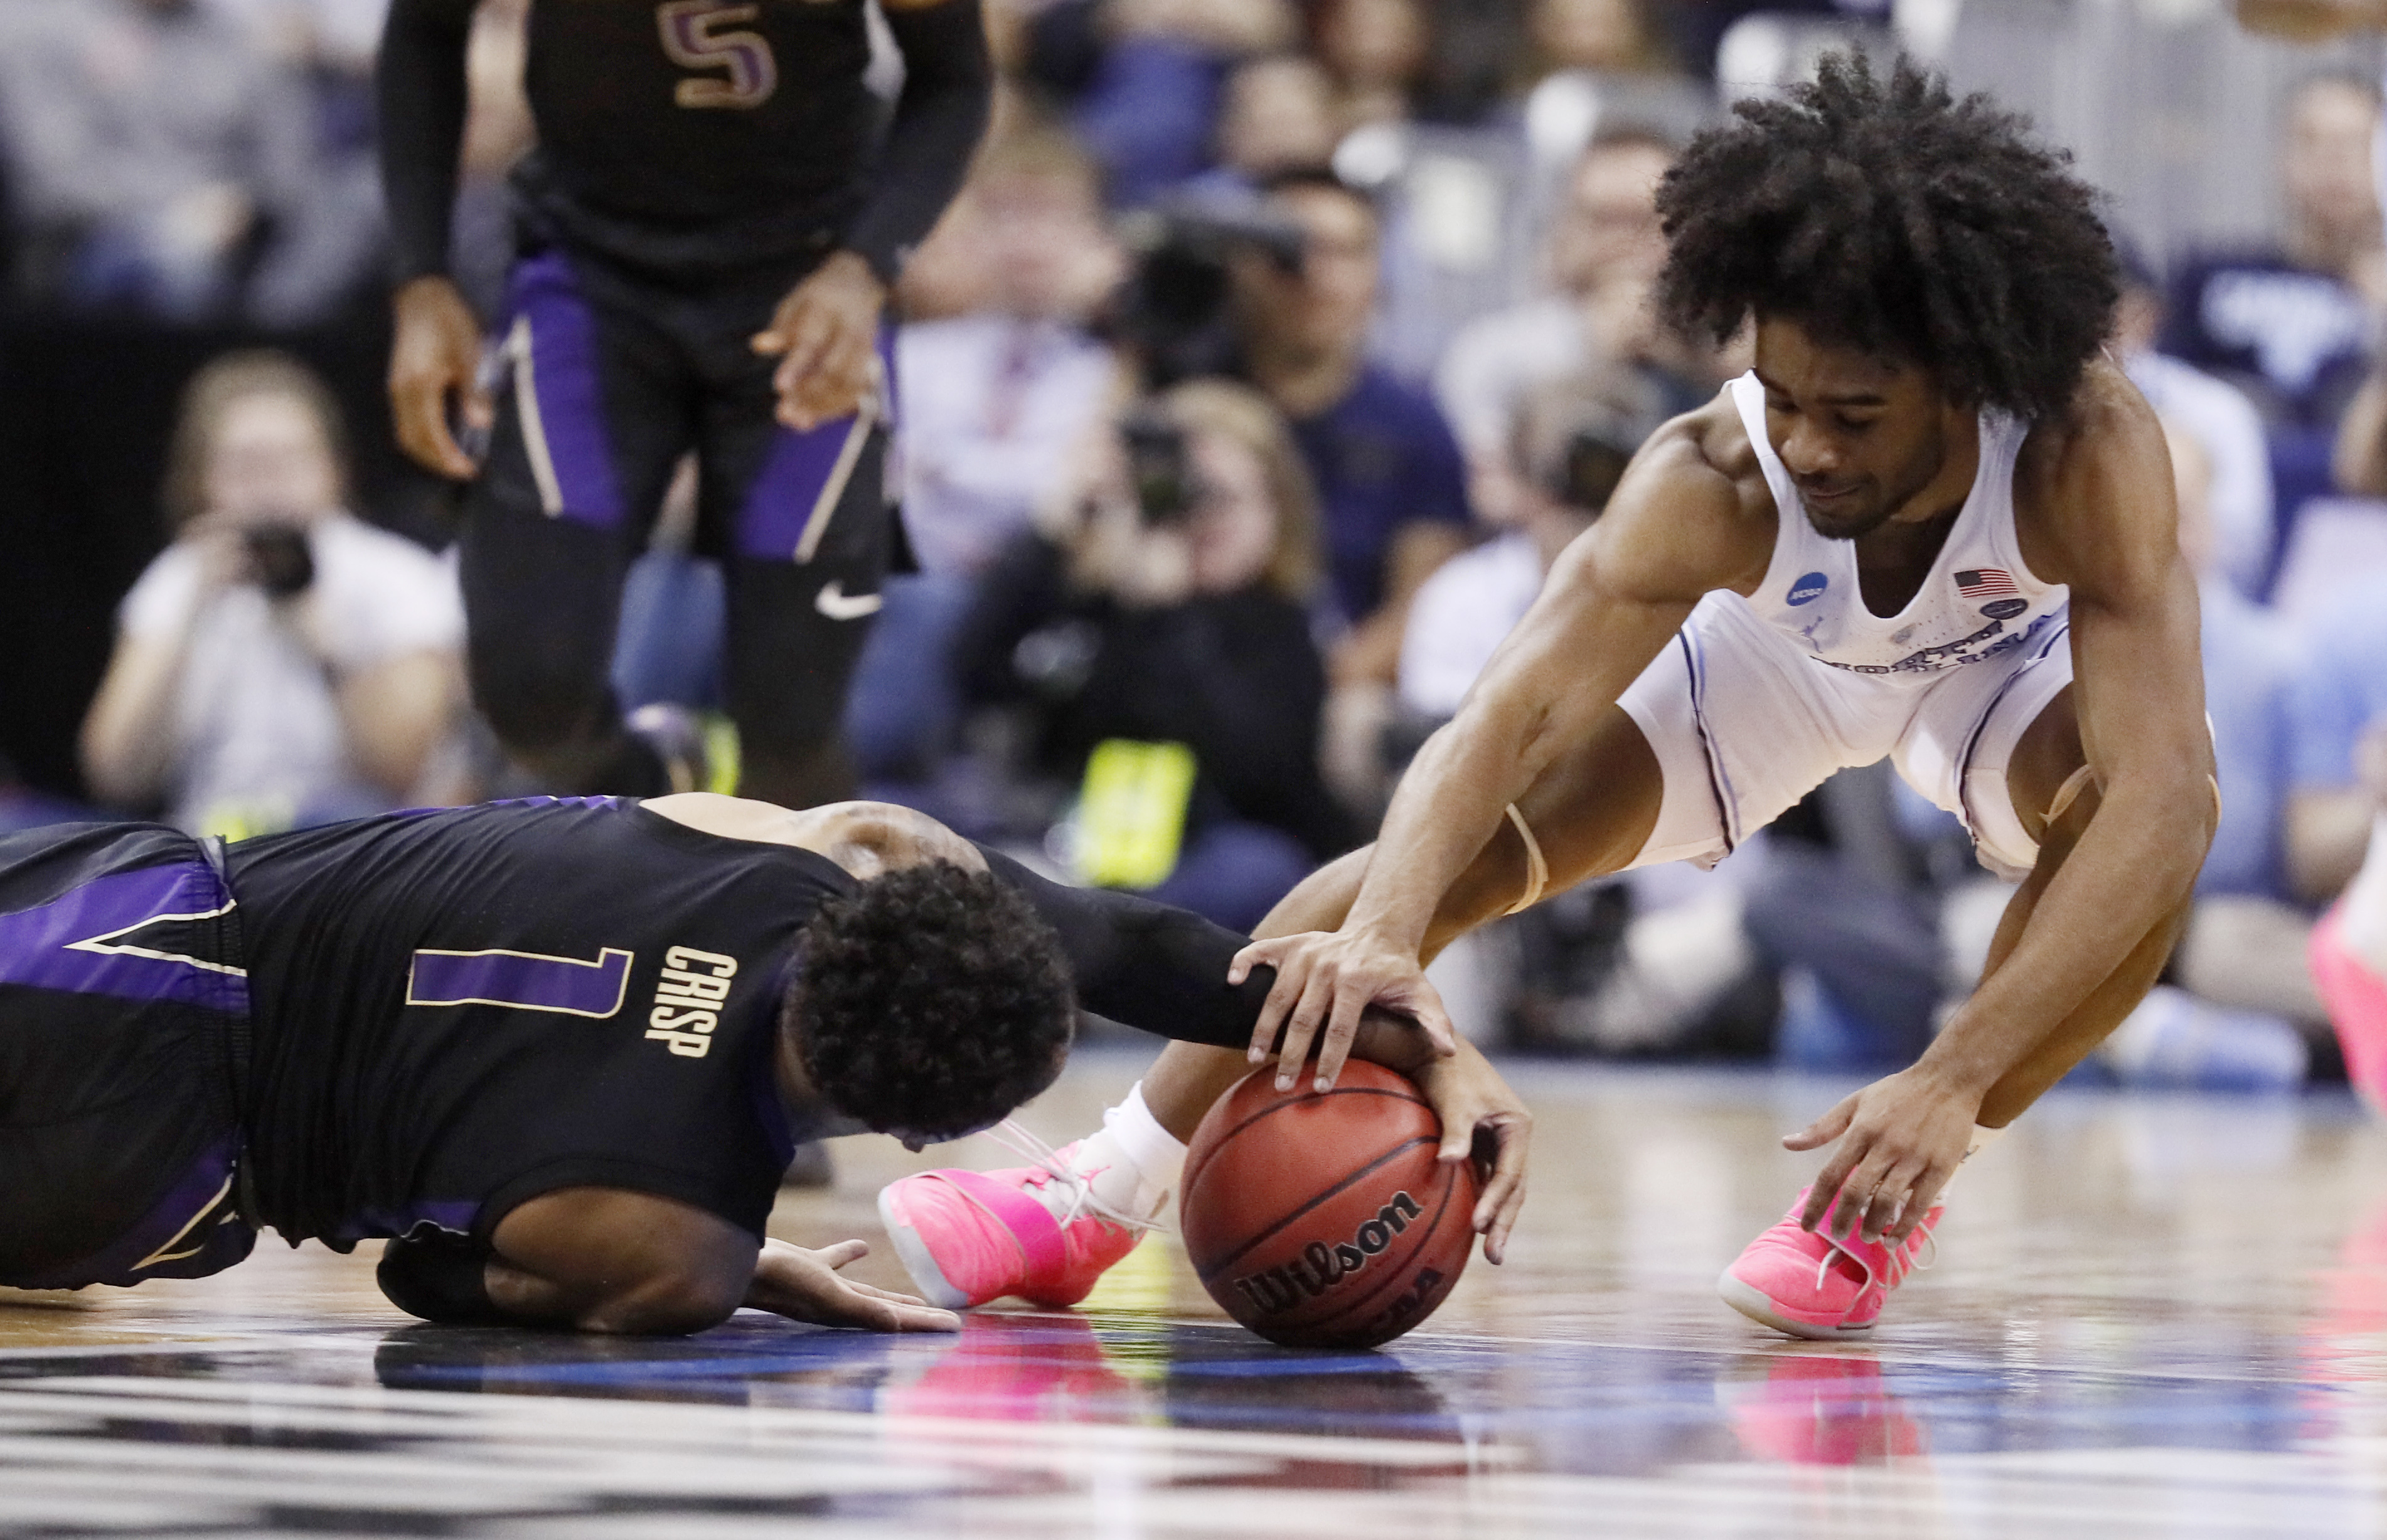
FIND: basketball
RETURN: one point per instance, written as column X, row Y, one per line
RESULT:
column 1324, row 1220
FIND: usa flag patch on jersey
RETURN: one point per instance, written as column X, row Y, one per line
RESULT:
column 1986, row 583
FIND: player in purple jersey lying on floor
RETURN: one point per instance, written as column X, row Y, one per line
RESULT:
column 556, row 1051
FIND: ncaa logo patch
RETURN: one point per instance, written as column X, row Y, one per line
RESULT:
column 2005, row 609
column 1809, row 589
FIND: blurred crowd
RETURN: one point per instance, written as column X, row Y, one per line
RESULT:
column 1267, row 359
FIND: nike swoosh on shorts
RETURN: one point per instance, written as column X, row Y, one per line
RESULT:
column 833, row 602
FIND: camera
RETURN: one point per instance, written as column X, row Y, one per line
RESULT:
column 1172, row 311
column 280, row 560
column 1158, row 469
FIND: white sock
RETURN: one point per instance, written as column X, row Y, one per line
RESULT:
column 2364, row 916
column 1134, row 1163
column 1982, row 1139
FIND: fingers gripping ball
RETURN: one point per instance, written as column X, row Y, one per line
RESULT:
column 1324, row 1220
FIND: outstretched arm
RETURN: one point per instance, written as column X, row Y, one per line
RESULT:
column 2110, row 532
column 1163, row 970
column 1674, row 531
column 608, row 1260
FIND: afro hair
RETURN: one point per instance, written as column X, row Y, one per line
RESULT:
column 931, row 1000
column 1886, row 215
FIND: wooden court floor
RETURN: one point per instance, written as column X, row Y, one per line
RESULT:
column 2149, row 1316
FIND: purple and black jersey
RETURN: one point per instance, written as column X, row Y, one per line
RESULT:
column 456, row 1011
column 695, row 137
column 426, row 1018
column 124, row 1010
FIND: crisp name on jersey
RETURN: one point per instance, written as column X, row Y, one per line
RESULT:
column 688, row 1000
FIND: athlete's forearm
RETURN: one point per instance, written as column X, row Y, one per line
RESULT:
column 421, row 86
column 948, row 95
column 2134, row 865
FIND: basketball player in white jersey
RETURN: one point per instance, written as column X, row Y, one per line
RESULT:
column 1935, row 524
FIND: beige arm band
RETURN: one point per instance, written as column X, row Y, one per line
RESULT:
column 2066, row 795
column 1537, row 871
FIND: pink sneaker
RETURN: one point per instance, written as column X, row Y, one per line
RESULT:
column 1037, row 1232
column 1809, row 1286
column 2357, row 999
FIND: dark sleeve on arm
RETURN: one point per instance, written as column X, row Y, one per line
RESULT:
column 421, row 86
column 440, row 1277
column 1144, row 963
column 948, row 93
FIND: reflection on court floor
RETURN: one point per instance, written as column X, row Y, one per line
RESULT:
column 2154, row 1318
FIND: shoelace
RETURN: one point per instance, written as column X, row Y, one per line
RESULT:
column 1019, row 1141
column 1902, row 1261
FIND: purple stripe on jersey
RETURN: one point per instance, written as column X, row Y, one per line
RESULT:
column 781, row 498
column 568, row 986
column 36, row 945
column 569, row 390
column 193, row 1230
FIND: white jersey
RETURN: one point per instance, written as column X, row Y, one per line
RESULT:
column 1978, row 603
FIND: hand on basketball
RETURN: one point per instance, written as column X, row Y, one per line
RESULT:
column 434, row 356
column 825, row 336
column 1477, row 1106
column 1330, row 977
column 1900, row 1138
column 804, row 1285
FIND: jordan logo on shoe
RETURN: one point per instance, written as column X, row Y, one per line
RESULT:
column 834, row 602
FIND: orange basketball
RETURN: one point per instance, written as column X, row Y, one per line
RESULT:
column 1325, row 1221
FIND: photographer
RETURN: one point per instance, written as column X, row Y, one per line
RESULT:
column 281, row 662
column 1158, row 622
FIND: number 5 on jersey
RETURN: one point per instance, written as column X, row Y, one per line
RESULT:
column 693, row 37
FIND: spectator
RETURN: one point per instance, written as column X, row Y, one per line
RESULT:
column 1375, row 52
column 2337, row 713
column 330, row 255
column 1568, row 445
column 1166, row 603
column 1388, row 473
column 2226, row 431
column 2245, row 944
column 1280, row 116
column 153, row 155
column 1149, row 108
column 1602, row 252
column 2240, row 1012
column 993, row 402
column 1596, row 61
column 281, row 662
column 2289, row 321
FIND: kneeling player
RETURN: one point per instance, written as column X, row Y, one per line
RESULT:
column 1933, row 524
column 556, row 1052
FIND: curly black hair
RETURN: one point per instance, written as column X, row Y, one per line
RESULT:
column 1887, row 216
column 931, row 1000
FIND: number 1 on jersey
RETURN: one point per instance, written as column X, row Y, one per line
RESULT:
column 692, row 40
column 525, row 980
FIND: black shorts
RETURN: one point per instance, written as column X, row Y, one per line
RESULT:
column 123, row 1022
column 607, row 380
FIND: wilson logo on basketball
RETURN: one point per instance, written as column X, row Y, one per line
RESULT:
column 1320, row 1266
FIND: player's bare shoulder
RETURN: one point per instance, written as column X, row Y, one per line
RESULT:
column 1694, row 511
column 2093, row 485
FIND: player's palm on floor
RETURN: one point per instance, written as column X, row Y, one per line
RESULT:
column 806, row 1285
